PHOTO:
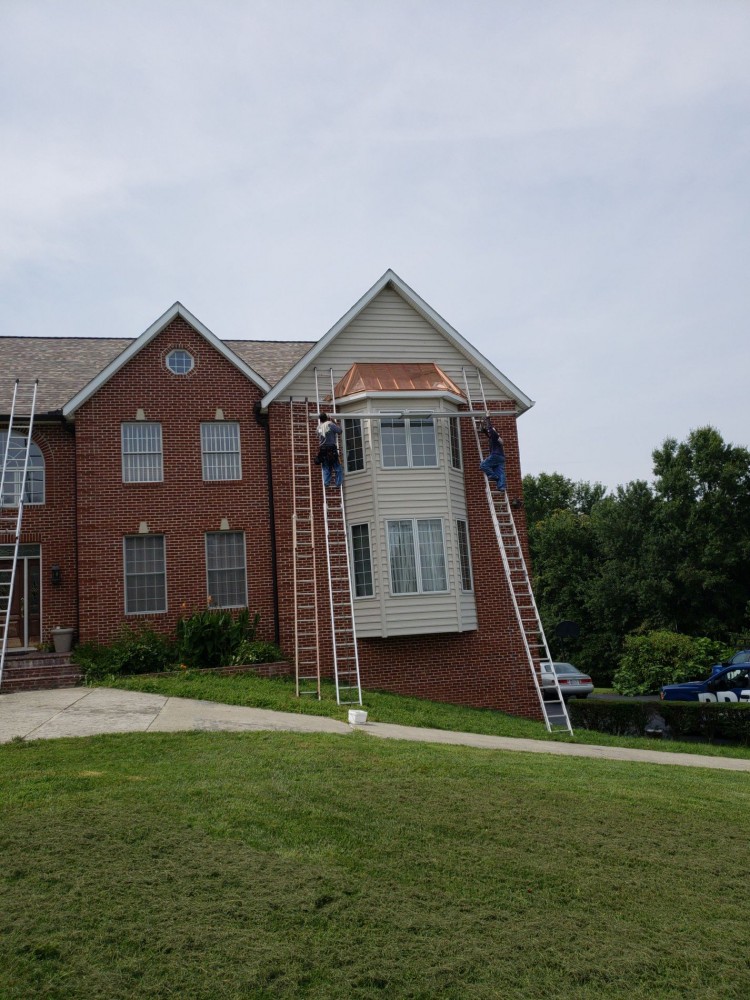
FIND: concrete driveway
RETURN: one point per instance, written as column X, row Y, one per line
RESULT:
column 91, row 711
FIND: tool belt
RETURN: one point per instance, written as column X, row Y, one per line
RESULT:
column 328, row 454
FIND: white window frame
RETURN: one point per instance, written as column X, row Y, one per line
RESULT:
column 212, row 424
column 13, row 474
column 346, row 423
column 355, row 595
column 414, row 521
column 160, row 611
column 226, row 569
column 407, row 422
column 179, row 350
column 141, row 424
column 464, row 558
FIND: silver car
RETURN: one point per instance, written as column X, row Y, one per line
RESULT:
column 573, row 683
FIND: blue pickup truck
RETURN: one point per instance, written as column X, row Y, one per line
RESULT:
column 729, row 681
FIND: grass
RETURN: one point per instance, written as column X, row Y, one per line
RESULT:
column 278, row 865
column 278, row 694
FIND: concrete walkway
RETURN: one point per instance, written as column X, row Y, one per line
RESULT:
column 91, row 711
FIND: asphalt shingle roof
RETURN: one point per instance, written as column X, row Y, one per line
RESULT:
column 64, row 365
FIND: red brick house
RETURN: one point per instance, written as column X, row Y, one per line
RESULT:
column 162, row 472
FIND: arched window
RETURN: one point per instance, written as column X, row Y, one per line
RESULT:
column 11, row 484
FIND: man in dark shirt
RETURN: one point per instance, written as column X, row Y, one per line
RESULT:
column 494, row 465
column 328, row 452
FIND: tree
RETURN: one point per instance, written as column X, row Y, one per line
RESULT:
column 673, row 555
column 702, row 529
column 548, row 492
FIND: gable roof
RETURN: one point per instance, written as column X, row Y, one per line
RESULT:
column 178, row 309
column 66, row 365
column 391, row 280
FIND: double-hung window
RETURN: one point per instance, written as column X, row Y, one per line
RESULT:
column 225, row 569
column 408, row 442
column 464, row 555
column 416, row 555
column 354, row 446
column 145, row 574
column 455, row 442
column 33, row 489
column 142, row 460
column 361, row 561
column 220, row 448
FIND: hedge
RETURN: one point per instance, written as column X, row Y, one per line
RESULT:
column 729, row 722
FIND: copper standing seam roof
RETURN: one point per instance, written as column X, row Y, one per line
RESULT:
column 64, row 365
column 395, row 377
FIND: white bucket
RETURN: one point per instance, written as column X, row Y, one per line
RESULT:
column 357, row 717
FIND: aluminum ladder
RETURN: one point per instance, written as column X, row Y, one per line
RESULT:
column 537, row 651
column 13, row 475
column 306, row 633
column 340, row 596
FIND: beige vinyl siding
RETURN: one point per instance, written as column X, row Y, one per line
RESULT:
column 376, row 496
column 388, row 329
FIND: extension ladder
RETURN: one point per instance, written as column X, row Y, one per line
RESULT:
column 343, row 631
column 537, row 651
column 13, row 474
column 306, row 634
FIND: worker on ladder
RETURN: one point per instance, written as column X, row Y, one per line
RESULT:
column 494, row 465
column 328, row 452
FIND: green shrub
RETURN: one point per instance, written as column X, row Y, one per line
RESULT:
column 141, row 650
column 685, row 720
column 94, row 659
column 136, row 650
column 256, row 652
column 623, row 718
column 211, row 638
column 663, row 657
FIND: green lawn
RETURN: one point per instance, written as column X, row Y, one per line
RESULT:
column 264, row 865
column 247, row 689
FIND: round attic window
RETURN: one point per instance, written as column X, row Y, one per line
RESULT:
column 180, row 362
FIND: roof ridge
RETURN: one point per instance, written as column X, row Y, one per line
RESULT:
column 39, row 336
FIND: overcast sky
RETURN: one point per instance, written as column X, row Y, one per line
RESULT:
column 567, row 183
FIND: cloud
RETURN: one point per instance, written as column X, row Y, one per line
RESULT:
column 566, row 183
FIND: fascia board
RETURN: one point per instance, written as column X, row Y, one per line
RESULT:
column 435, row 319
column 148, row 335
column 377, row 394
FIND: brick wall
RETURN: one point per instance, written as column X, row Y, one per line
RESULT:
column 52, row 526
column 182, row 507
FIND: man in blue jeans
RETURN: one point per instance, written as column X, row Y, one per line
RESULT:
column 494, row 465
column 328, row 452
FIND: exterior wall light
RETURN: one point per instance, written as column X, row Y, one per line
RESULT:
column 55, row 576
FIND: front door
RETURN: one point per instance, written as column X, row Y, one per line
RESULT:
column 25, row 604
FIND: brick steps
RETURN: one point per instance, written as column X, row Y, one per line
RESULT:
column 39, row 672
column 44, row 671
